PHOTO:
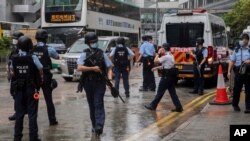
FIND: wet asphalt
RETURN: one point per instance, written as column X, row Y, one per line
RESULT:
column 122, row 120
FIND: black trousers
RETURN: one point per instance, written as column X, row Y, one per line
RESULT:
column 148, row 74
column 167, row 83
column 47, row 92
column 25, row 103
column 238, row 85
column 95, row 90
column 199, row 79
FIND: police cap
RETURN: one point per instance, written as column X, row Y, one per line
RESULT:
column 120, row 40
column 90, row 37
column 17, row 34
column 41, row 34
column 25, row 43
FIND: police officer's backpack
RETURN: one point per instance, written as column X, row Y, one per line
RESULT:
column 43, row 56
column 121, row 58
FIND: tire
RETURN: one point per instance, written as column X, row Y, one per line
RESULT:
column 68, row 79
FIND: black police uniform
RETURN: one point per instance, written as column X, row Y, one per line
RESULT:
column 121, row 65
column 95, row 87
column 26, row 78
column 14, row 51
column 42, row 53
column 198, row 76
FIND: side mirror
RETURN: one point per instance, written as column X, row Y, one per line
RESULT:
column 68, row 49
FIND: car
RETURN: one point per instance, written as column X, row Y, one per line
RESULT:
column 69, row 59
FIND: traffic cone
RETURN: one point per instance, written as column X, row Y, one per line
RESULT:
column 221, row 93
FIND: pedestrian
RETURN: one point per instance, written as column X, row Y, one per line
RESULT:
column 94, row 63
column 24, row 69
column 147, row 53
column 43, row 52
column 240, row 56
column 122, row 56
column 14, row 51
column 200, row 62
column 168, row 79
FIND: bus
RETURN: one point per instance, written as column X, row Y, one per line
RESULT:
column 181, row 30
column 65, row 19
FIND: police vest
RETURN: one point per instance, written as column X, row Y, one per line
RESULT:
column 25, row 71
column 94, row 60
column 121, row 58
column 43, row 56
column 199, row 55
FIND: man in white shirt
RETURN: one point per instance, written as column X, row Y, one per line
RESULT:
column 169, row 76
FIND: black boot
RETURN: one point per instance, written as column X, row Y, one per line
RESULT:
column 13, row 117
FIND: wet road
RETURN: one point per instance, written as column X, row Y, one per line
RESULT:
column 130, row 121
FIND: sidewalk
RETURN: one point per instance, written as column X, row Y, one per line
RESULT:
column 212, row 124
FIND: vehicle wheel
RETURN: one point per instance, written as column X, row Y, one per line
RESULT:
column 68, row 79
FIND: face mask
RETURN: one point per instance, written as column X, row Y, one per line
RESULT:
column 120, row 45
column 241, row 43
column 14, row 41
column 94, row 45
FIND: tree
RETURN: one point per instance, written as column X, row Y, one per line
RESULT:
column 239, row 18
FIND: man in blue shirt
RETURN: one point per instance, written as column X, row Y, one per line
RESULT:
column 240, row 56
column 93, row 64
column 201, row 54
column 122, row 56
column 44, row 53
column 147, row 53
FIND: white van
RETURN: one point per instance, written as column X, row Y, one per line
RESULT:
column 69, row 60
column 181, row 30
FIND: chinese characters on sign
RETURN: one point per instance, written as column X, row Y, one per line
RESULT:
column 63, row 18
column 110, row 22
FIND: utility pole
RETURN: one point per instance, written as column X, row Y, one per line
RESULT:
column 156, row 23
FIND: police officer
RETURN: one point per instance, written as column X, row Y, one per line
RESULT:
column 92, row 62
column 43, row 52
column 241, row 55
column 14, row 51
column 147, row 53
column 200, row 62
column 25, row 71
column 122, row 56
column 168, row 79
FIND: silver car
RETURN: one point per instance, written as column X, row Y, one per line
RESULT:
column 69, row 60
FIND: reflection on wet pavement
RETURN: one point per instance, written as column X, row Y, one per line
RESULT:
column 122, row 120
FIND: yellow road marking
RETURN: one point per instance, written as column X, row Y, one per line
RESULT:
column 172, row 117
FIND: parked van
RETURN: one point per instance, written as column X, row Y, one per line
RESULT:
column 181, row 30
column 69, row 60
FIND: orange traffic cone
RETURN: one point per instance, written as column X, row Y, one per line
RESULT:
column 221, row 93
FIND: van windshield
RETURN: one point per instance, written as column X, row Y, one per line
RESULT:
column 184, row 34
column 79, row 46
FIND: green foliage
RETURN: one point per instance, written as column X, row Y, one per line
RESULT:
column 239, row 18
column 5, row 44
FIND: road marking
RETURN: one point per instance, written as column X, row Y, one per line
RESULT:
column 172, row 117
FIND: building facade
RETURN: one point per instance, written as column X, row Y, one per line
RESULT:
column 20, row 12
column 214, row 6
column 152, row 12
